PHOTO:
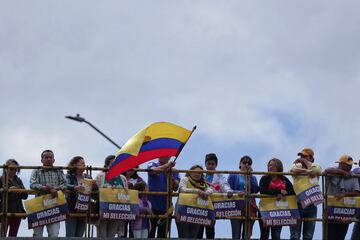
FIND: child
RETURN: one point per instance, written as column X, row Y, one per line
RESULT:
column 141, row 226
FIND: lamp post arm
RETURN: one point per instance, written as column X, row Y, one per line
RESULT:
column 102, row 134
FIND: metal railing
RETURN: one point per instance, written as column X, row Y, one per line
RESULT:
column 170, row 194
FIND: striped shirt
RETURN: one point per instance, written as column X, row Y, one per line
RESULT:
column 40, row 178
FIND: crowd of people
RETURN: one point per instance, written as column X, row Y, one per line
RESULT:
column 342, row 183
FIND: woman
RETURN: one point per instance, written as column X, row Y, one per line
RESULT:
column 14, row 199
column 192, row 183
column 237, row 183
column 277, row 185
column 109, row 228
column 75, row 226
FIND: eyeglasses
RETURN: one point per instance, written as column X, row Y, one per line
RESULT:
column 246, row 163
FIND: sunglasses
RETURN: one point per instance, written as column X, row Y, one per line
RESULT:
column 246, row 163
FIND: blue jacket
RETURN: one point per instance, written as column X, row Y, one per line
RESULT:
column 237, row 183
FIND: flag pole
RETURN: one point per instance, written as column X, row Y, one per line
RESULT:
column 181, row 148
column 170, row 190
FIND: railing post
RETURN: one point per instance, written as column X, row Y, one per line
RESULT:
column 168, row 202
column 3, row 216
column 247, row 224
column 5, row 200
column 325, row 184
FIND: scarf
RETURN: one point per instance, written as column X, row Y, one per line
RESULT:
column 198, row 184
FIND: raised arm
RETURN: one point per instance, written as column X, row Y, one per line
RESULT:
column 336, row 171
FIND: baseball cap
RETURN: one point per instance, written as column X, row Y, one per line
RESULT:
column 346, row 159
column 306, row 152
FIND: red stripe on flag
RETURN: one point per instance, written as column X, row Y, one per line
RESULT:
column 134, row 161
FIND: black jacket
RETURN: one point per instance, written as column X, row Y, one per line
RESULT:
column 15, row 204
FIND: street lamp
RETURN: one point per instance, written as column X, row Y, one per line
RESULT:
column 81, row 119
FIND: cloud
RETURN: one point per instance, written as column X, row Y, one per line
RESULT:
column 264, row 79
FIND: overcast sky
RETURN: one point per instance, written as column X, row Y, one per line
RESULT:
column 262, row 78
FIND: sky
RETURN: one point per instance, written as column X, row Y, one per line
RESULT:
column 258, row 78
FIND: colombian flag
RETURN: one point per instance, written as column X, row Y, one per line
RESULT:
column 161, row 139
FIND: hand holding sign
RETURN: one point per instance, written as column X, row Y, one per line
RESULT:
column 241, row 194
column 339, row 196
column 203, row 195
column 79, row 188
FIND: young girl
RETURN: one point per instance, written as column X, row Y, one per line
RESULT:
column 141, row 226
column 192, row 183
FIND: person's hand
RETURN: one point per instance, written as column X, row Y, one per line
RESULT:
column 174, row 184
column 339, row 196
column 79, row 188
column 284, row 192
column 171, row 164
column 279, row 197
column 203, row 195
column 46, row 188
column 53, row 193
column 312, row 174
column 13, row 187
column 229, row 194
column 240, row 194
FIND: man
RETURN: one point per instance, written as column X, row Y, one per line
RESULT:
column 356, row 230
column 341, row 186
column 158, row 182
column 218, row 183
column 45, row 181
column 305, row 165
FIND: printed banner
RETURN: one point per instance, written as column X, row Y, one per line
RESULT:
column 345, row 209
column 83, row 198
column 46, row 209
column 192, row 209
column 225, row 207
column 279, row 213
column 308, row 191
column 119, row 204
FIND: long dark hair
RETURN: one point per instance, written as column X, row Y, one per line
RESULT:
column 107, row 162
column 278, row 164
column 196, row 166
column 11, row 160
column 73, row 162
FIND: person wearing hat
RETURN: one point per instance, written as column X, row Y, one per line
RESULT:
column 340, row 186
column 305, row 165
column 356, row 229
column 218, row 183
